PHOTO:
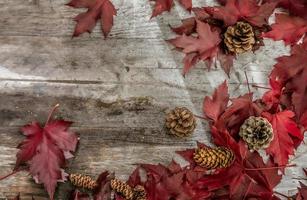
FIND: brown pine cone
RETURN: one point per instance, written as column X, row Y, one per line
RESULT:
column 122, row 188
column 257, row 132
column 139, row 193
column 180, row 122
column 212, row 158
column 239, row 38
column 82, row 181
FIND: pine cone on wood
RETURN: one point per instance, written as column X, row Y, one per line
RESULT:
column 212, row 158
column 122, row 188
column 239, row 38
column 83, row 181
column 257, row 132
column 180, row 122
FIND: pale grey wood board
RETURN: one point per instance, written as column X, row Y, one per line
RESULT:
column 115, row 90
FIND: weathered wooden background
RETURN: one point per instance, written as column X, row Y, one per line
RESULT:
column 116, row 90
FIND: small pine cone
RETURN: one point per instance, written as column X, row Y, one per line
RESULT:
column 122, row 188
column 239, row 38
column 212, row 158
column 180, row 122
column 257, row 132
column 83, row 181
column 139, row 193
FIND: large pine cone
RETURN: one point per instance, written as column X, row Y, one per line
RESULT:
column 180, row 122
column 212, row 158
column 257, row 132
column 82, row 181
column 239, row 38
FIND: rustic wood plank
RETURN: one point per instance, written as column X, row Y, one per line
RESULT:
column 53, row 18
column 63, row 58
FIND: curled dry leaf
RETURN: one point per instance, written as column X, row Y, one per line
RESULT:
column 102, row 10
column 45, row 151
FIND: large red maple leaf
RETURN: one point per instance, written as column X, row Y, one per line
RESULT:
column 166, row 5
column 102, row 10
column 287, row 28
column 284, row 129
column 45, row 150
column 204, row 47
column 248, row 10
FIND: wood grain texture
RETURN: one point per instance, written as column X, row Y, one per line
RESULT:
column 116, row 90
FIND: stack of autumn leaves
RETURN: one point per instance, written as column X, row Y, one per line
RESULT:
column 237, row 26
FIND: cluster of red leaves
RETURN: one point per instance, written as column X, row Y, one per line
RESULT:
column 208, row 25
column 102, row 10
column 289, row 28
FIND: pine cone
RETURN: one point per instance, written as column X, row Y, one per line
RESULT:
column 257, row 132
column 122, row 188
column 180, row 122
column 212, row 158
column 239, row 38
column 139, row 193
column 82, row 181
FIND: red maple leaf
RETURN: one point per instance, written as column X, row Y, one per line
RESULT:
column 291, row 72
column 272, row 97
column 215, row 106
column 204, row 47
column 284, row 129
column 287, row 28
column 102, row 10
column 166, row 5
column 45, row 150
column 248, row 10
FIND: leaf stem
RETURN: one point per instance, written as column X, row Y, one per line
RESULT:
column 262, row 87
column 51, row 113
column 249, row 89
column 281, row 194
column 268, row 168
column 248, row 189
column 200, row 117
column 10, row 174
column 305, row 179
